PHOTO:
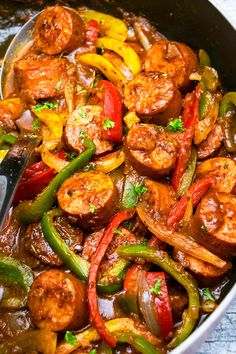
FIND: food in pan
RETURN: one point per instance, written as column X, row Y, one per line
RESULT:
column 122, row 230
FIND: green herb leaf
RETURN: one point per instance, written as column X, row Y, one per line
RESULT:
column 58, row 85
column 92, row 208
column 118, row 232
column 71, row 155
column 144, row 242
column 82, row 134
column 36, row 123
column 208, row 295
column 156, row 289
column 70, row 338
column 82, row 113
column 90, row 167
column 204, row 228
column 140, row 189
column 175, row 125
column 93, row 351
column 45, row 105
column 108, row 124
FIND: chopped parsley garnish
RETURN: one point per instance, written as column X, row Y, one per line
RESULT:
column 82, row 113
column 175, row 125
column 70, row 338
column 108, row 124
column 93, row 351
column 144, row 242
column 82, row 134
column 208, row 295
column 140, row 189
column 90, row 167
column 58, row 85
column 118, row 232
column 204, row 228
column 45, row 105
column 92, row 208
column 36, row 123
column 71, row 155
column 156, row 289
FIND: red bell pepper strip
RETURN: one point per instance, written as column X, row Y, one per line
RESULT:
column 35, row 178
column 162, row 304
column 112, row 107
column 190, row 119
column 195, row 192
column 92, row 32
column 95, row 316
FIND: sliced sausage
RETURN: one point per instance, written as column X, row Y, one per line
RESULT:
column 213, row 142
column 159, row 199
column 173, row 58
column 40, row 77
column 153, row 95
column 57, row 301
column 214, row 223
column 36, row 244
column 152, row 151
column 205, row 273
column 89, row 196
column 224, row 170
column 86, row 121
column 58, row 29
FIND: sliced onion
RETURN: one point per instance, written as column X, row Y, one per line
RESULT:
column 146, row 304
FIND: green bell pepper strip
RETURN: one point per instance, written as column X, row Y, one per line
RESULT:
column 209, row 80
column 104, row 348
column 13, row 272
column 76, row 263
column 188, row 175
column 138, row 342
column 204, row 104
column 8, row 138
column 228, row 103
column 204, row 59
column 32, row 211
column 162, row 259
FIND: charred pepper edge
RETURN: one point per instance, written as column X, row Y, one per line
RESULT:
column 162, row 259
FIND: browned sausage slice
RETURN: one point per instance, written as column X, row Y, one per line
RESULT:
column 40, row 77
column 89, row 196
column 86, row 121
column 58, row 29
column 205, row 273
column 57, row 301
column 152, row 94
column 215, row 223
column 151, row 150
column 213, row 142
column 173, row 58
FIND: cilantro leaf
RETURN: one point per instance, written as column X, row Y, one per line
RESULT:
column 36, row 123
column 175, row 125
column 82, row 113
column 70, row 338
column 108, row 124
column 118, row 232
column 204, row 228
column 90, row 167
column 140, row 189
column 45, row 105
column 208, row 295
column 156, row 289
column 144, row 242
column 92, row 208
column 82, row 134
column 71, row 155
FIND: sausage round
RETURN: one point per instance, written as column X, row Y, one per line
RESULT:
column 40, row 77
column 205, row 273
column 214, row 223
column 152, row 151
column 57, row 301
column 213, row 142
column 173, row 58
column 152, row 95
column 58, row 29
column 89, row 196
column 88, row 121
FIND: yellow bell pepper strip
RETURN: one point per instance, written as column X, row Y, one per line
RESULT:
column 52, row 160
column 109, row 162
column 130, row 119
column 228, row 104
column 117, row 326
column 3, row 154
column 109, row 26
column 32, row 211
column 55, row 124
column 38, row 341
column 173, row 268
column 179, row 240
column 105, row 66
column 129, row 56
column 204, row 59
column 14, row 272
